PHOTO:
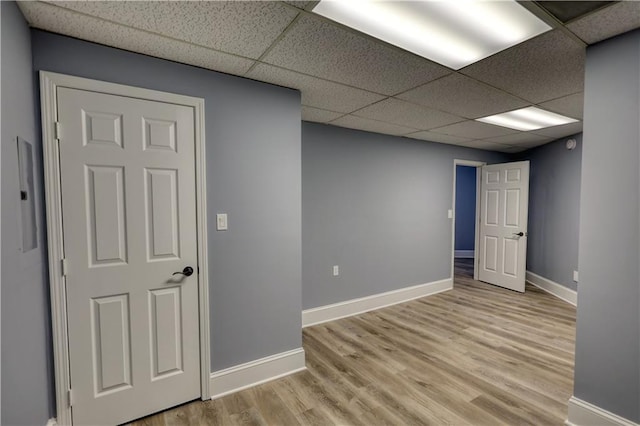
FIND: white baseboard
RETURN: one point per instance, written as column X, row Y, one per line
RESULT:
column 464, row 254
column 253, row 373
column 52, row 422
column 581, row 413
column 364, row 304
column 560, row 291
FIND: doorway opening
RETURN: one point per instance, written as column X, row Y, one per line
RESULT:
column 465, row 207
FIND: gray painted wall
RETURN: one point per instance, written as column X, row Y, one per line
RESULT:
column 27, row 383
column 607, row 371
column 375, row 205
column 554, row 210
column 253, row 175
column 465, row 238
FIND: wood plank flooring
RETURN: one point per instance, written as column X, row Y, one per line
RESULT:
column 475, row 355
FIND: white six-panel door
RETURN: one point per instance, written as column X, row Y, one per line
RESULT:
column 504, row 201
column 129, row 219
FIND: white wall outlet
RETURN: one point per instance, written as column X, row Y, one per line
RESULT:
column 336, row 270
column 221, row 222
column 450, row 214
column 575, row 276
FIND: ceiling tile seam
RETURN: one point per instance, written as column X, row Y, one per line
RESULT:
column 156, row 57
column 402, row 92
column 465, row 118
column 542, row 14
column 414, row 130
column 412, row 103
column 368, row 105
column 402, row 100
column 502, row 90
column 495, row 143
column 319, row 78
column 563, row 96
column 579, row 42
column 481, row 82
column 576, row 35
column 290, row 6
column 435, row 129
column 591, row 12
column 71, row 11
column 371, row 38
column 275, row 41
column 300, row 9
column 337, row 118
column 323, row 109
column 311, row 5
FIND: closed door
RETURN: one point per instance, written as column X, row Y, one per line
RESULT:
column 504, row 204
column 129, row 223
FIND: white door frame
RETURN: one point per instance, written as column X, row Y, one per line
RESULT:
column 477, row 165
column 49, row 82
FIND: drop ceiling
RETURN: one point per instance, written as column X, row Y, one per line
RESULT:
column 352, row 80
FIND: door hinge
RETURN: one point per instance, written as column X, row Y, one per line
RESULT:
column 65, row 266
column 58, row 130
column 70, row 397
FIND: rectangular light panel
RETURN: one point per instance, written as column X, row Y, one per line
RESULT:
column 454, row 33
column 525, row 119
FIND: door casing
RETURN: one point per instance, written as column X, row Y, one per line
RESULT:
column 477, row 165
column 49, row 82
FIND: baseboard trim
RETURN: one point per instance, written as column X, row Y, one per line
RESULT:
column 253, row 373
column 582, row 413
column 348, row 308
column 464, row 254
column 560, row 291
column 52, row 422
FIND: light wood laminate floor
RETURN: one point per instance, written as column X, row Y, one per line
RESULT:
column 476, row 355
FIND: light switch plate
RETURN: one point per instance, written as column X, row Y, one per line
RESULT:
column 575, row 276
column 336, row 270
column 221, row 222
column 450, row 214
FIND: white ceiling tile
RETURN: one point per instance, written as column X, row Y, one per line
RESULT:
column 316, row 47
column 65, row 21
column 407, row 114
column 316, row 92
column 353, row 122
column 608, row 22
column 518, row 138
column 570, row 106
column 438, row 137
column 543, row 68
column 490, row 146
column 245, row 28
column 463, row 96
column 474, row 130
column 557, row 132
column 319, row 115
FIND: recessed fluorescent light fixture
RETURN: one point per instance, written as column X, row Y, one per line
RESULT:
column 525, row 119
column 454, row 33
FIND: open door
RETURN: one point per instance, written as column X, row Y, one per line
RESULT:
column 504, row 206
